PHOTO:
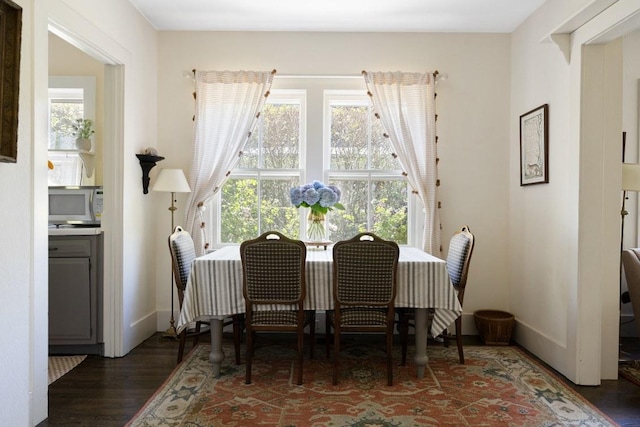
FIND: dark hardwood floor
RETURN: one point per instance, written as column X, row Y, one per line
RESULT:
column 109, row 392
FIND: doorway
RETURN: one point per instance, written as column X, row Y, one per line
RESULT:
column 109, row 118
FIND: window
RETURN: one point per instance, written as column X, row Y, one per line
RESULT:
column 70, row 98
column 362, row 165
column 308, row 134
column 255, row 198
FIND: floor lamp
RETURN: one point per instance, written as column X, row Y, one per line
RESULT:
column 171, row 181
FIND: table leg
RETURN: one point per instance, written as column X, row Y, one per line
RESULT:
column 217, row 355
column 421, row 357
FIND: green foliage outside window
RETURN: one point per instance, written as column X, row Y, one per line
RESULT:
column 256, row 198
column 63, row 116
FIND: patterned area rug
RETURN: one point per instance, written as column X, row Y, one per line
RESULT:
column 498, row 386
column 630, row 371
column 60, row 365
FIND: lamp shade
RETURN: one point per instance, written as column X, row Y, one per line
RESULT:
column 171, row 180
column 631, row 176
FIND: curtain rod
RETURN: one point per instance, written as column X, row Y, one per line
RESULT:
column 317, row 76
column 438, row 76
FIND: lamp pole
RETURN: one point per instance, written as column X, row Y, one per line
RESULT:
column 171, row 331
column 172, row 181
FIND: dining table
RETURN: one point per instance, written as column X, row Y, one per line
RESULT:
column 214, row 292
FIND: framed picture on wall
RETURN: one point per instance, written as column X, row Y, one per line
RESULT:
column 534, row 146
column 10, row 38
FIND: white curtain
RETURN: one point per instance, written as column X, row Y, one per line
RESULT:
column 228, row 104
column 405, row 102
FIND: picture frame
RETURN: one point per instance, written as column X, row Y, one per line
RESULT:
column 10, row 41
column 534, row 146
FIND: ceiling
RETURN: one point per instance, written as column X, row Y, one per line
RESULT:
column 486, row 16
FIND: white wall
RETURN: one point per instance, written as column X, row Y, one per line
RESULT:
column 473, row 122
column 564, row 235
column 22, row 372
column 543, row 226
column 114, row 28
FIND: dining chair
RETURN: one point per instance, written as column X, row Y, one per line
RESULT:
column 364, row 289
column 631, row 264
column 274, row 288
column 183, row 253
column 458, row 259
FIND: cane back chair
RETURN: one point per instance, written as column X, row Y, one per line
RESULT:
column 274, row 288
column 364, row 290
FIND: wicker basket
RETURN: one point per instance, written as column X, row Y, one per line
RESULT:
column 495, row 326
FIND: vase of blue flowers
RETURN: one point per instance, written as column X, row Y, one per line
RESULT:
column 320, row 199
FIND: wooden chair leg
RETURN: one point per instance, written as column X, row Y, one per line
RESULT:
column 403, row 330
column 390, row 356
column 300, row 352
column 237, row 335
column 248, row 356
column 459, row 339
column 336, row 351
column 196, row 337
column 312, row 336
column 327, row 335
column 182, row 341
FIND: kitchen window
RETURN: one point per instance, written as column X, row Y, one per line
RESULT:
column 70, row 98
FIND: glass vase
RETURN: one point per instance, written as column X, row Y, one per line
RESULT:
column 316, row 231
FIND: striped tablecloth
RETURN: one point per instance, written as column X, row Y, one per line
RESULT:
column 214, row 287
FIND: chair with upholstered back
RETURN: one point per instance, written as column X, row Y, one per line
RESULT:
column 183, row 253
column 274, row 288
column 364, row 291
column 458, row 259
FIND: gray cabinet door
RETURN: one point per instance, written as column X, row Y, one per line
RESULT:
column 70, row 301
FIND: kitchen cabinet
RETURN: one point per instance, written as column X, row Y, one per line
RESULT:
column 75, row 294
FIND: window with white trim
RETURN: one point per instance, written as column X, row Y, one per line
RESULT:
column 255, row 198
column 70, row 98
column 361, row 163
column 344, row 146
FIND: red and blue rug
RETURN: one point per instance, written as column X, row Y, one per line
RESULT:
column 498, row 386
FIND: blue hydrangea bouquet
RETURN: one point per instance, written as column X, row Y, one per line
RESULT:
column 320, row 199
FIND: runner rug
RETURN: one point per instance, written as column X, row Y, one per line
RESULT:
column 498, row 386
column 60, row 365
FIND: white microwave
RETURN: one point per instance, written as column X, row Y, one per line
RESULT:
column 73, row 205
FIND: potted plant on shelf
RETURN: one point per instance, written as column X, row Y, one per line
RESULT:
column 83, row 129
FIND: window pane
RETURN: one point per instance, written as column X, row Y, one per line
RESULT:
column 239, row 206
column 276, row 211
column 249, row 158
column 63, row 115
column 381, row 150
column 276, row 137
column 281, row 136
column 386, row 215
column 345, row 224
column 349, row 137
column 239, row 210
column 389, row 210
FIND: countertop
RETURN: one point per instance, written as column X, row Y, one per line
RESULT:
column 74, row 231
